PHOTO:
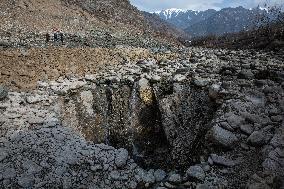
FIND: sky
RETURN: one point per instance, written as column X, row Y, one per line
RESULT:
column 157, row 5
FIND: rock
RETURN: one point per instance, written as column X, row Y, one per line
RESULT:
column 179, row 78
column 220, row 160
column 34, row 99
column 222, row 137
column 87, row 102
column 196, row 172
column 156, row 78
column 8, row 173
column 199, row 82
column 147, row 177
column 121, row 157
column 3, row 155
column 95, row 168
column 277, row 118
column 247, row 129
column 114, row 175
column 145, row 91
column 175, row 178
column 169, row 185
column 246, row 74
column 225, row 125
column 235, row 121
column 3, row 93
column 160, row 175
column 258, row 186
column 258, row 138
column 203, row 186
column 214, row 91
column 26, row 181
column 91, row 78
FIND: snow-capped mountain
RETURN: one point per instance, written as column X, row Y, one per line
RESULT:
column 184, row 18
column 201, row 23
column 170, row 13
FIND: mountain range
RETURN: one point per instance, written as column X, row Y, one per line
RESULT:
column 213, row 22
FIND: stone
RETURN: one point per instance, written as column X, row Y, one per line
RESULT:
column 179, row 78
column 114, row 175
column 214, row 91
column 247, row 129
column 235, row 121
column 91, row 78
column 220, row 160
column 203, row 186
column 133, row 184
column 145, row 91
column 95, row 168
column 3, row 155
column 175, row 178
column 87, row 102
column 196, row 172
column 34, row 99
column 9, row 173
column 121, row 157
column 160, row 175
column 26, row 181
column 169, row 185
column 258, row 138
column 222, row 137
column 277, row 118
column 225, row 125
column 246, row 74
column 258, row 186
column 3, row 93
column 200, row 82
column 147, row 176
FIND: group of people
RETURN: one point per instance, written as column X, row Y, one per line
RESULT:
column 58, row 36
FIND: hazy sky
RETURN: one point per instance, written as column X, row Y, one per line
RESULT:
column 155, row 5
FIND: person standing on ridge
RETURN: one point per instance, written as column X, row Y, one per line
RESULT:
column 47, row 37
column 55, row 35
column 61, row 35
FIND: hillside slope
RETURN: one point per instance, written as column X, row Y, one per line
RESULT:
column 20, row 17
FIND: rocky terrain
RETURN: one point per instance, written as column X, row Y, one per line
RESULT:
column 120, row 103
column 196, row 118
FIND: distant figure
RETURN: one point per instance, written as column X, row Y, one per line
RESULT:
column 47, row 37
column 61, row 35
column 108, row 37
column 55, row 35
